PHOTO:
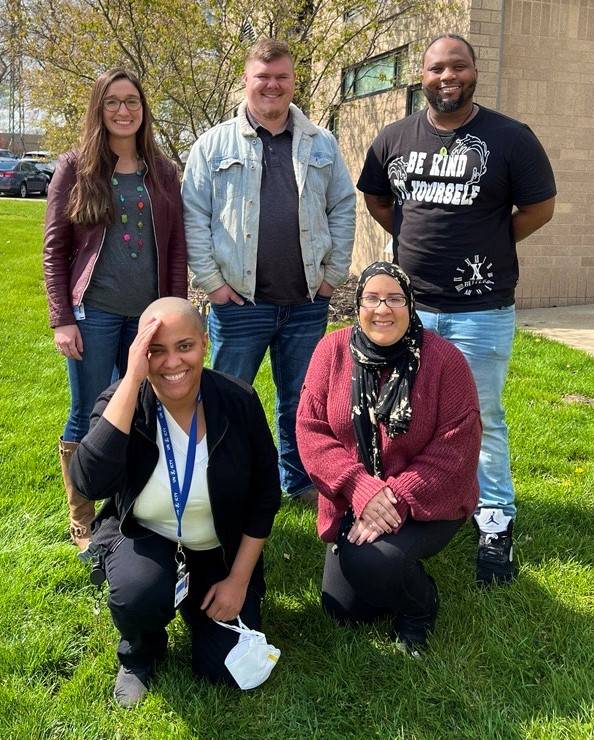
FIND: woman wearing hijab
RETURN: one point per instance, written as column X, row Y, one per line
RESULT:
column 389, row 430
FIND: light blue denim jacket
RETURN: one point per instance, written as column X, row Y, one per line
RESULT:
column 221, row 195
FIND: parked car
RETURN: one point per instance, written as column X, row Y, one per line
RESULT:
column 21, row 178
column 39, row 154
column 42, row 165
column 7, row 154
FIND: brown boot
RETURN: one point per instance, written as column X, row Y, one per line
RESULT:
column 81, row 510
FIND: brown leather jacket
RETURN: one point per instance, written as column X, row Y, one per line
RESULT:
column 71, row 250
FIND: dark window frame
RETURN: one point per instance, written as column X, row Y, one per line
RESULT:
column 397, row 83
column 333, row 124
column 411, row 90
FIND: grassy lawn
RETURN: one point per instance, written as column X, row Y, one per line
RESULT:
column 508, row 663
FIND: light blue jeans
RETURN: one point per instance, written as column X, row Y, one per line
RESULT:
column 485, row 339
column 239, row 337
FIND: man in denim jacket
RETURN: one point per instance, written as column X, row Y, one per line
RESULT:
column 269, row 211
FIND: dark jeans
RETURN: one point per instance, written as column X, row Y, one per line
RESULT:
column 384, row 578
column 239, row 337
column 141, row 575
column 106, row 340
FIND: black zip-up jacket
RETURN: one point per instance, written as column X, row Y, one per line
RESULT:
column 242, row 472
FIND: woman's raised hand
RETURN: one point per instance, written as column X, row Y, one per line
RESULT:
column 120, row 409
column 138, row 363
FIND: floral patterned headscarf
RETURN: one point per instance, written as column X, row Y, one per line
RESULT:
column 389, row 405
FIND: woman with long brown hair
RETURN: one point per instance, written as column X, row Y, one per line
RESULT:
column 114, row 242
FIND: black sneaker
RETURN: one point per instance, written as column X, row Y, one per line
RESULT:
column 412, row 632
column 495, row 554
column 132, row 685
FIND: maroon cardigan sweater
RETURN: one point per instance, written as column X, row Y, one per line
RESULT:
column 431, row 468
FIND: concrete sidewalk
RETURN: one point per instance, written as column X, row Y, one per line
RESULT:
column 572, row 325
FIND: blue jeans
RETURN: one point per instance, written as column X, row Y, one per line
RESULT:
column 240, row 336
column 485, row 339
column 106, row 340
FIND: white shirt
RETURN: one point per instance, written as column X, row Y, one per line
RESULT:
column 154, row 506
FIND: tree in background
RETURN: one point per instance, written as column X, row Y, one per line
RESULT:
column 12, row 88
column 189, row 54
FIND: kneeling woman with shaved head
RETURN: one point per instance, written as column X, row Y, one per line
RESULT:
column 187, row 464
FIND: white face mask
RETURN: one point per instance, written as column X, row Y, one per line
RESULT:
column 251, row 661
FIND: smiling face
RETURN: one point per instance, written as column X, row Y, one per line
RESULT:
column 383, row 325
column 176, row 357
column 122, row 123
column 269, row 88
column 449, row 75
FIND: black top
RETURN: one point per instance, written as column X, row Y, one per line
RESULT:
column 242, row 472
column 280, row 275
column 452, row 226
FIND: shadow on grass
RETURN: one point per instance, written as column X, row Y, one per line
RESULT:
column 500, row 662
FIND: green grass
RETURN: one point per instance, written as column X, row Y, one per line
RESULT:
column 514, row 662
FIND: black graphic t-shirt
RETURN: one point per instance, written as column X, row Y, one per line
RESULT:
column 453, row 210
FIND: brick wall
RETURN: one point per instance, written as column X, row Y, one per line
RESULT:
column 547, row 81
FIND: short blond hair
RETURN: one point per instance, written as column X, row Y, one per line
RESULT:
column 267, row 50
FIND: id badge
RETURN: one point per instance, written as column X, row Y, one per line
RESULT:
column 79, row 312
column 182, row 588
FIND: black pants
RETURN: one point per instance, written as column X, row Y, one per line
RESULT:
column 363, row 583
column 141, row 576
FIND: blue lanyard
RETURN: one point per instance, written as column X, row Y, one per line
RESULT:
column 179, row 497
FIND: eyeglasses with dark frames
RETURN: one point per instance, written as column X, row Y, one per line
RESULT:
column 392, row 301
column 113, row 104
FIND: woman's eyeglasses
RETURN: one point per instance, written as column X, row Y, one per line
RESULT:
column 374, row 301
column 113, row 104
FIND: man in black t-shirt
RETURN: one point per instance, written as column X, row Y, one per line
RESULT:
column 444, row 182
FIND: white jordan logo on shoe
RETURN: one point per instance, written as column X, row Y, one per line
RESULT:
column 493, row 521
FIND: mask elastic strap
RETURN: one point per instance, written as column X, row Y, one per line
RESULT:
column 242, row 629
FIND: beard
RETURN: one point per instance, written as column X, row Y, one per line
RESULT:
column 449, row 106
column 273, row 115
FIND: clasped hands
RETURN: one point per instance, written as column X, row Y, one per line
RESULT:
column 378, row 517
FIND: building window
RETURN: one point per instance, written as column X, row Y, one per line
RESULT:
column 415, row 100
column 375, row 75
column 333, row 121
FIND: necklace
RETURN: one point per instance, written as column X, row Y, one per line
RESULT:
column 134, row 245
column 445, row 144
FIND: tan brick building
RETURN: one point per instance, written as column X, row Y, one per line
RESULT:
column 536, row 64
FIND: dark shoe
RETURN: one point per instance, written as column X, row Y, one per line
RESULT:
column 132, row 685
column 495, row 554
column 412, row 631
